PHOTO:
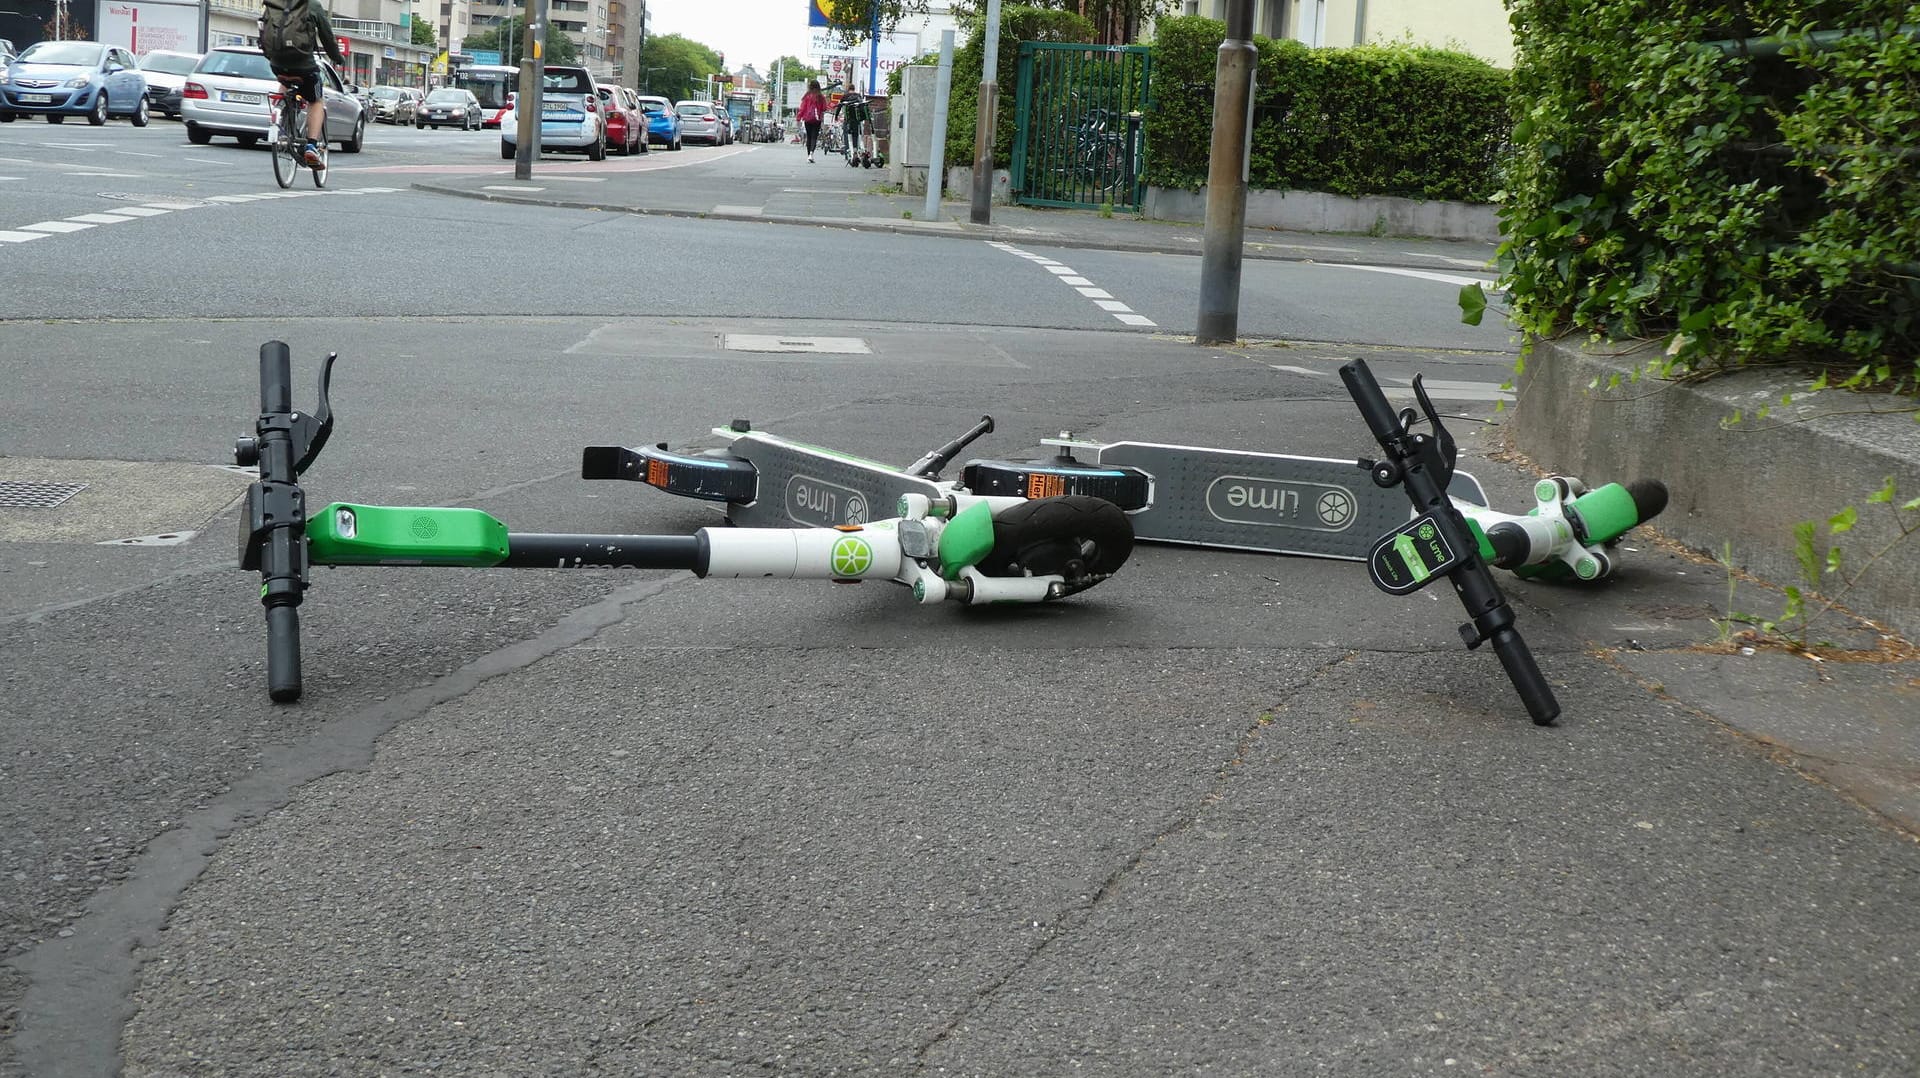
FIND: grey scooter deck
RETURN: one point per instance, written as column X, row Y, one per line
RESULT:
column 809, row 486
column 1270, row 502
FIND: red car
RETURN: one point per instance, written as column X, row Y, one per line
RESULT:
column 626, row 126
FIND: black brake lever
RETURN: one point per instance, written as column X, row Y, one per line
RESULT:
column 312, row 429
column 1443, row 438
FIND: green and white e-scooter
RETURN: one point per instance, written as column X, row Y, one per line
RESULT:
column 944, row 545
column 1217, row 498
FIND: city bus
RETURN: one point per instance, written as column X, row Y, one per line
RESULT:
column 491, row 83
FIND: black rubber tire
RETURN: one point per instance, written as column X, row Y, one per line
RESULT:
column 249, row 141
column 198, row 135
column 141, row 117
column 1083, row 538
column 597, row 151
column 98, row 116
column 359, row 139
column 506, row 152
column 54, row 118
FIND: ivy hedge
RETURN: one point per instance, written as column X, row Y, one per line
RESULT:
column 1740, row 177
column 1398, row 120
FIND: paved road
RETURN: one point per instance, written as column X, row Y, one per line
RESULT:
column 1226, row 814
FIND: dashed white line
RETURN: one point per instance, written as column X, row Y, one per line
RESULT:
column 100, row 218
column 56, row 226
column 1101, row 298
column 80, row 222
column 20, row 237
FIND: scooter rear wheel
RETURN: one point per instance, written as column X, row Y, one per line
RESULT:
column 1082, row 538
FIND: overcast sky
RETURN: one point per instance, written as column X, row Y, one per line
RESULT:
column 747, row 31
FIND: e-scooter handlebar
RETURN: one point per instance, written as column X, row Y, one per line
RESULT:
column 1423, row 463
column 273, row 524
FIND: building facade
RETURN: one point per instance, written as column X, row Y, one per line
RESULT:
column 1475, row 26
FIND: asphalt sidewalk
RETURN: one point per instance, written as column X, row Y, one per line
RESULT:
column 775, row 183
column 1856, row 724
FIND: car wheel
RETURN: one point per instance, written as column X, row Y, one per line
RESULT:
column 52, row 119
column 359, row 138
column 6, row 117
column 198, row 135
column 676, row 144
column 506, row 150
column 248, row 140
column 140, row 115
column 420, row 125
column 597, row 151
column 99, row 114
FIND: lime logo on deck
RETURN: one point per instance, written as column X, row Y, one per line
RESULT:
column 851, row 556
column 1426, row 531
column 1334, row 508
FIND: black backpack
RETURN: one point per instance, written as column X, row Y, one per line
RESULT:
column 287, row 33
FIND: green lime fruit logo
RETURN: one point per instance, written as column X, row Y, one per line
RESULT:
column 851, row 557
column 1426, row 531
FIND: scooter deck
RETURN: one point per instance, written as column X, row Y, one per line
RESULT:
column 1270, row 502
column 806, row 485
column 1266, row 502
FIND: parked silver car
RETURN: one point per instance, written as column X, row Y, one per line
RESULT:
column 700, row 122
column 228, row 92
column 166, row 73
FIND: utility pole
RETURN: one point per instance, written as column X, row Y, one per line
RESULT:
column 526, row 105
column 1225, row 232
column 985, row 119
column 936, row 163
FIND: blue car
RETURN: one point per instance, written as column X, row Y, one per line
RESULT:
column 57, row 79
column 663, row 123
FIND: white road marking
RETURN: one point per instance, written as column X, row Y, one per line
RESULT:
column 1101, row 298
column 21, row 237
column 1425, row 275
column 100, row 218
column 56, row 226
column 141, row 211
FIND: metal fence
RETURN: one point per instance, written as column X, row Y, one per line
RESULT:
column 1078, row 125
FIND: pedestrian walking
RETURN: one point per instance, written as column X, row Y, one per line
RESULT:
column 813, row 109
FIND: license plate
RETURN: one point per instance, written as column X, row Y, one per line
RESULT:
column 243, row 99
column 551, row 106
column 36, row 99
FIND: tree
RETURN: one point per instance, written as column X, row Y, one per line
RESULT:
column 853, row 19
column 670, row 65
column 792, row 68
column 507, row 37
column 423, row 33
column 1116, row 22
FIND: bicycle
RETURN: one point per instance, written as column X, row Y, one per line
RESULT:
column 943, row 545
column 287, row 136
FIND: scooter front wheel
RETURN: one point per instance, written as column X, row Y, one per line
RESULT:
column 1081, row 538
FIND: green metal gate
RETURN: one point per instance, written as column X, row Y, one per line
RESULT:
column 1079, row 138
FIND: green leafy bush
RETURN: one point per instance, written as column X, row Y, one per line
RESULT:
column 1374, row 120
column 1017, row 23
column 1754, row 200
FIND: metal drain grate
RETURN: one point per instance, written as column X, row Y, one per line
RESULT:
column 17, row 495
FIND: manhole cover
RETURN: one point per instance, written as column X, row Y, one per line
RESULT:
column 19, row 495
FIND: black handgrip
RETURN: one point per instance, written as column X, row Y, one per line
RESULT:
column 276, row 378
column 1525, row 675
column 283, row 654
column 1380, row 417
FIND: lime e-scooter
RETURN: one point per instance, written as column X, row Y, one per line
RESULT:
column 1218, row 498
column 944, row 545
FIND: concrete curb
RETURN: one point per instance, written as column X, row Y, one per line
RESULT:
column 1746, row 484
column 946, row 229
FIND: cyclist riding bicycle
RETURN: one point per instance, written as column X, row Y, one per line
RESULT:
column 290, row 32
